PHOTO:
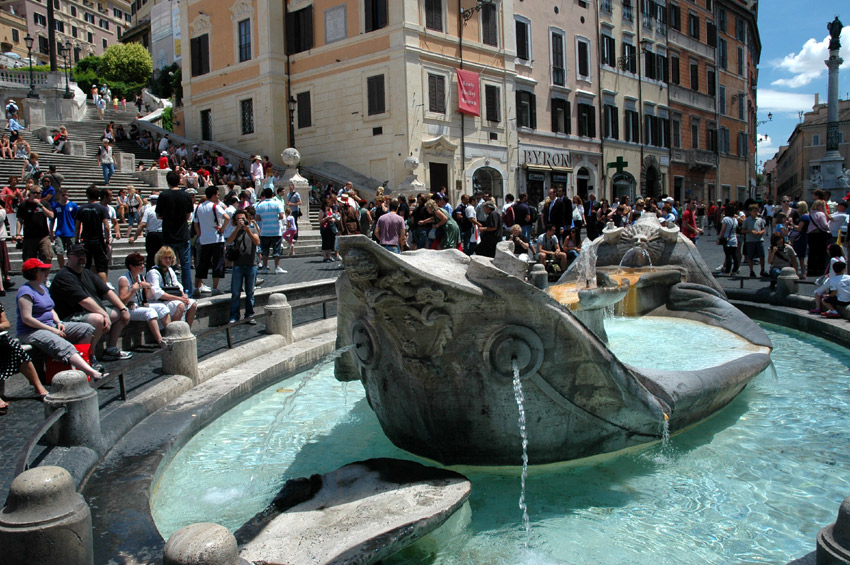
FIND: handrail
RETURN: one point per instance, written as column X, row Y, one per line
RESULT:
column 21, row 464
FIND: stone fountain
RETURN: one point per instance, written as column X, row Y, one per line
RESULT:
column 436, row 335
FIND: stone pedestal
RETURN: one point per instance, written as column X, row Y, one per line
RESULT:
column 34, row 109
column 155, row 178
column 834, row 540
column 126, row 162
column 80, row 426
column 539, row 276
column 787, row 283
column 279, row 317
column 202, row 543
column 182, row 355
column 45, row 521
column 75, row 148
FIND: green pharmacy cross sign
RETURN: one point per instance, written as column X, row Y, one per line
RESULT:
column 619, row 164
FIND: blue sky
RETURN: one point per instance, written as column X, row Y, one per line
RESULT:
column 794, row 48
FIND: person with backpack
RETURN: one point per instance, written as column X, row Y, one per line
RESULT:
column 242, row 252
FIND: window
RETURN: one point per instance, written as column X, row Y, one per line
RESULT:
column 200, row 51
column 16, row 36
column 628, row 11
column 663, row 129
column 741, row 61
column 649, row 64
column 611, row 125
column 90, row 37
column 651, row 135
column 115, row 13
column 74, row 11
column 299, row 30
column 712, row 136
column 583, row 56
column 709, row 5
column 206, row 125
column 742, row 144
column 742, row 102
column 723, row 141
column 559, row 73
column 244, row 40
column 74, row 32
column 492, row 107
column 632, row 123
column 526, row 109
column 586, row 120
column 711, row 34
column 677, row 131
column 722, row 91
column 305, row 112
column 104, row 24
column 661, row 72
column 246, row 114
column 436, row 93
column 721, row 20
column 711, row 81
column 606, row 6
column 675, row 17
column 723, row 54
column 694, row 133
column 43, row 45
column 609, row 52
column 740, row 30
column 630, row 56
column 434, row 14
column 674, row 69
column 376, row 14
column 561, row 122
column 815, row 139
column 39, row 19
column 694, row 76
column 523, row 43
column 375, row 95
column 488, row 25
column 693, row 26
column 104, row 43
column 60, row 26
column 89, row 18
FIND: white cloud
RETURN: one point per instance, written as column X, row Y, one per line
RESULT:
column 777, row 101
column 766, row 151
column 807, row 64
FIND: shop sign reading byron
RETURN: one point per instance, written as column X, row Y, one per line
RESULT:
column 545, row 158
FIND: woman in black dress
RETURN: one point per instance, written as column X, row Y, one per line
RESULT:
column 13, row 359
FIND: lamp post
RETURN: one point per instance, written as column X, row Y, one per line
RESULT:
column 29, row 41
column 292, row 104
column 769, row 119
column 65, row 51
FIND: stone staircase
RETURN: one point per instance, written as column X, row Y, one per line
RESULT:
column 80, row 172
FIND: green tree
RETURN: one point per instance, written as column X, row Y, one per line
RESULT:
column 126, row 62
column 168, row 119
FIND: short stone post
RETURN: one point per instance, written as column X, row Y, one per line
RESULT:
column 45, row 521
column 34, row 113
column 834, row 540
column 199, row 544
column 80, row 426
column 787, row 283
column 279, row 317
column 539, row 276
column 182, row 355
column 126, row 162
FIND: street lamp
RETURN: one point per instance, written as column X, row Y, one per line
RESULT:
column 769, row 119
column 65, row 51
column 29, row 41
column 469, row 12
column 292, row 104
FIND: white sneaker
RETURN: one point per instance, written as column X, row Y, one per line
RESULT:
column 110, row 285
column 280, row 271
column 204, row 288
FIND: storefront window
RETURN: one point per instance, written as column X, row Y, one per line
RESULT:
column 487, row 179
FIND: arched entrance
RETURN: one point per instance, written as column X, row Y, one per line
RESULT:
column 582, row 182
column 623, row 184
column 487, row 179
column 650, row 177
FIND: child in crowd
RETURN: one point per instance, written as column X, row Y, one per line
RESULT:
column 839, row 290
column 290, row 229
column 836, row 260
column 781, row 255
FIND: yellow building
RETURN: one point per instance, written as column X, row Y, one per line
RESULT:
column 366, row 84
column 13, row 29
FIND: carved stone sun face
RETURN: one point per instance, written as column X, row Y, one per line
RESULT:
column 643, row 234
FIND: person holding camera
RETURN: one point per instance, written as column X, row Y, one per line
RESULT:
column 242, row 252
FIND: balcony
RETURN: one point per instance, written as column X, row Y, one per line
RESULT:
column 701, row 159
column 691, row 98
column 683, row 41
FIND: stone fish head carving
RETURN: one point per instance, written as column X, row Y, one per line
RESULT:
column 646, row 234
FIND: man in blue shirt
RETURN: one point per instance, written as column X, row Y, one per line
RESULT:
column 63, row 226
column 270, row 213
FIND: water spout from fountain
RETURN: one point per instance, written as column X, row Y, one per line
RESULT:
column 634, row 257
column 523, row 432
column 586, row 265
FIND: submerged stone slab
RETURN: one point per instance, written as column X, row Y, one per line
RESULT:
column 360, row 513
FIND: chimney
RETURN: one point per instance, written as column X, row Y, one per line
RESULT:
column 817, row 100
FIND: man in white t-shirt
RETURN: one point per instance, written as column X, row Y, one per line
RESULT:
column 210, row 220
column 152, row 227
column 838, row 222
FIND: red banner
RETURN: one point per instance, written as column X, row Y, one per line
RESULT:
column 469, row 96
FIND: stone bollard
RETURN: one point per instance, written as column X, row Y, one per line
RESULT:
column 539, row 276
column 182, row 355
column 279, row 317
column 787, row 283
column 126, row 162
column 834, row 540
column 45, row 521
column 201, row 544
column 81, row 424
column 34, row 109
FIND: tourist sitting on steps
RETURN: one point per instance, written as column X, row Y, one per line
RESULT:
column 13, row 359
column 132, row 288
column 838, row 291
column 548, row 249
column 166, row 288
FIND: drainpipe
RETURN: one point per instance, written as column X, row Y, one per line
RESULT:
column 288, row 73
column 642, row 117
column 461, row 25
column 603, row 165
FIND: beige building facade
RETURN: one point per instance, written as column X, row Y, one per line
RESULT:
column 371, row 83
column 13, row 29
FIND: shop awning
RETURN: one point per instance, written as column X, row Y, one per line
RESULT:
column 546, row 169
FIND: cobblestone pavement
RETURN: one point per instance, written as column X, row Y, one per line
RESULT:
column 26, row 412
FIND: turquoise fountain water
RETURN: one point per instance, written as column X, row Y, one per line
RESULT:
column 753, row 484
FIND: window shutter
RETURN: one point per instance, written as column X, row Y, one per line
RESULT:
column 521, row 40
column 434, row 15
column 583, row 59
column 491, row 95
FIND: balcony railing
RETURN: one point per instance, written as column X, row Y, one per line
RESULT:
column 607, row 6
column 701, row 159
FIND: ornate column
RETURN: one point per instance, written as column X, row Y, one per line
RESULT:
column 831, row 166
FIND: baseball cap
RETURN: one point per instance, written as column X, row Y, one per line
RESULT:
column 34, row 263
column 77, row 248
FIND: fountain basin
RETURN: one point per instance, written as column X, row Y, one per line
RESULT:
column 435, row 334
